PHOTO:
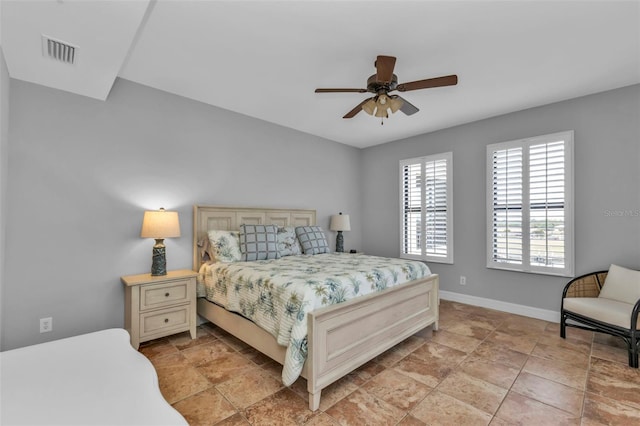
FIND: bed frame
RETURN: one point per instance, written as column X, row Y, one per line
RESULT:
column 341, row 337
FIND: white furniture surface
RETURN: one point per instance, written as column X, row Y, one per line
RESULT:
column 341, row 337
column 158, row 306
column 92, row 379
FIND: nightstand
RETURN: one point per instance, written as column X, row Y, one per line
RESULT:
column 158, row 306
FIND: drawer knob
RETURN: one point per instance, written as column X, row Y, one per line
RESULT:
column 166, row 295
column 166, row 320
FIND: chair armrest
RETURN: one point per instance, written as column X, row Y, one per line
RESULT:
column 634, row 315
column 587, row 285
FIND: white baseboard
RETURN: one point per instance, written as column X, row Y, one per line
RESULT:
column 512, row 308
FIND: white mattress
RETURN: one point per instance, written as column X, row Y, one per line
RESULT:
column 93, row 379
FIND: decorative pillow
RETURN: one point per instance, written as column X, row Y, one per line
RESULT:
column 225, row 246
column 258, row 242
column 312, row 239
column 621, row 284
column 288, row 244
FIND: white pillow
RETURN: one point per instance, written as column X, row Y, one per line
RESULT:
column 621, row 284
column 225, row 245
column 288, row 244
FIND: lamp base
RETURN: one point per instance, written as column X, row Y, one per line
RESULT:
column 340, row 242
column 159, row 259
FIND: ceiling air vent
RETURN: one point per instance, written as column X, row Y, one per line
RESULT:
column 59, row 50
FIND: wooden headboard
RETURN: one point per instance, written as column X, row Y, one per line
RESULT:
column 206, row 218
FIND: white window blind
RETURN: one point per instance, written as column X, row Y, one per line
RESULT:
column 530, row 205
column 425, row 203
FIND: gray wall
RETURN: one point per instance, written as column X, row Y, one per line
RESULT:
column 83, row 171
column 4, row 173
column 607, row 182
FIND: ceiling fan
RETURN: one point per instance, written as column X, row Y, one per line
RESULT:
column 385, row 81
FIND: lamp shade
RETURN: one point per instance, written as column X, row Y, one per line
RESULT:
column 160, row 224
column 340, row 222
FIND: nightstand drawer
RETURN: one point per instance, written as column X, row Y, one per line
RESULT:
column 165, row 320
column 156, row 296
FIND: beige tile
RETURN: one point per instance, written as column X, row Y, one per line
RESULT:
column 321, row 419
column 549, row 392
column 610, row 353
column 609, row 412
column 255, row 356
column 362, row 408
column 235, row 420
column 399, row 377
column 562, row 354
column 475, row 392
column 365, row 372
column 607, row 339
column 493, row 372
column 615, row 381
column 523, row 343
column 409, row 420
column 429, row 372
column 390, row 357
column 282, row 408
column 183, row 340
column 397, row 389
column 440, row 409
column 225, row 367
column 577, row 345
column 500, row 353
column 527, row 324
column 206, row 407
column 157, row 348
column 571, row 332
column 409, row 345
column 561, row 372
column 202, row 354
column 470, row 328
column 437, row 352
column 335, row 392
column 456, row 341
column 178, row 379
column 520, row 410
column 251, row 386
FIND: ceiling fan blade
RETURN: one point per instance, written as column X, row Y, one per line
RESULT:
column 384, row 67
column 356, row 110
column 449, row 80
column 341, row 90
column 407, row 108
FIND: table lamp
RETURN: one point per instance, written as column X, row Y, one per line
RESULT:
column 160, row 224
column 340, row 222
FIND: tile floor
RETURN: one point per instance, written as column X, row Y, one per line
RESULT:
column 482, row 367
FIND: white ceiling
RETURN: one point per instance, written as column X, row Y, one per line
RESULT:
column 265, row 58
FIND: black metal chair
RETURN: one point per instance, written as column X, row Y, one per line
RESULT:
column 583, row 306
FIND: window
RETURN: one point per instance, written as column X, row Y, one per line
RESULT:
column 530, row 205
column 426, row 221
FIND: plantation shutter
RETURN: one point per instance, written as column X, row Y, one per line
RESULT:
column 507, row 206
column 425, row 208
column 530, row 212
column 546, row 200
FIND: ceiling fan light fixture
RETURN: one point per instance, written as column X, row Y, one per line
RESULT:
column 395, row 104
column 381, row 112
column 369, row 106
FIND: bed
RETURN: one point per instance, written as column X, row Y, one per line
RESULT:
column 92, row 379
column 339, row 337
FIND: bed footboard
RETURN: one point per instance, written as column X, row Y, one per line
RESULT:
column 345, row 336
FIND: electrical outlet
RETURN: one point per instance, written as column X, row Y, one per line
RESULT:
column 463, row 280
column 46, row 325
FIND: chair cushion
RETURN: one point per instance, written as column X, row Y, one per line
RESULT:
column 621, row 284
column 601, row 309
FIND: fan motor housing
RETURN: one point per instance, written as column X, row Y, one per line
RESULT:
column 375, row 86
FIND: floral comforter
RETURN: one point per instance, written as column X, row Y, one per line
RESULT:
column 277, row 294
